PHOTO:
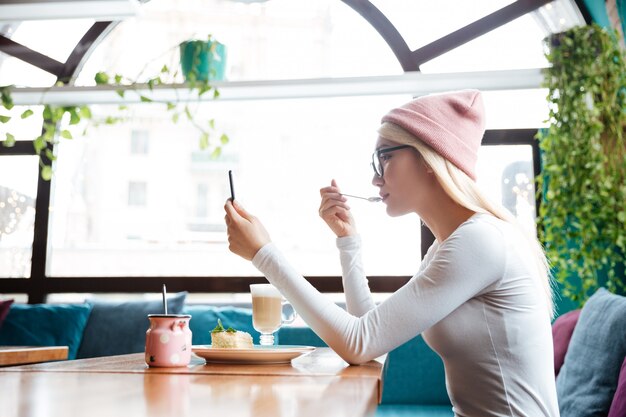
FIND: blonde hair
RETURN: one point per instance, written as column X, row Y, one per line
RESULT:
column 465, row 192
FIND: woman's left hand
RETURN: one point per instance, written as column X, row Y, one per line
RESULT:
column 246, row 233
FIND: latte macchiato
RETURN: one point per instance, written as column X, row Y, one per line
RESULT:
column 266, row 313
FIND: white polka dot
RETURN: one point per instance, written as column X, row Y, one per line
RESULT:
column 164, row 338
column 175, row 358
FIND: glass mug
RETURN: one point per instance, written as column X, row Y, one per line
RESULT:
column 267, row 311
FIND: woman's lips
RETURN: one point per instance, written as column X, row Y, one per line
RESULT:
column 384, row 196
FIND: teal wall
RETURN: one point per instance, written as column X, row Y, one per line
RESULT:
column 597, row 10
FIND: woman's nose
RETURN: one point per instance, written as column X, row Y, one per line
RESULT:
column 377, row 181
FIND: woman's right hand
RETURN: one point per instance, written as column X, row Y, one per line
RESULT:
column 336, row 212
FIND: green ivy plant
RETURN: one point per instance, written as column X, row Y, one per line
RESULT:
column 59, row 121
column 582, row 221
column 52, row 117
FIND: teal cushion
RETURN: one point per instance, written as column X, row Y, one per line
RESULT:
column 45, row 325
column 588, row 378
column 204, row 319
column 117, row 328
column 403, row 410
column 414, row 374
column 296, row 335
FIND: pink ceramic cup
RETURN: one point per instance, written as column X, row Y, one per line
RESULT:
column 168, row 340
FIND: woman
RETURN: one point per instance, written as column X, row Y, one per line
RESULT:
column 481, row 298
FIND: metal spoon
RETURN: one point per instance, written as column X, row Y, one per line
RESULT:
column 370, row 199
column 164, row 292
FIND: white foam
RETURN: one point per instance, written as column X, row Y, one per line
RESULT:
column 264, row 290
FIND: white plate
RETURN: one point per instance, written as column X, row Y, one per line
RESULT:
column 256, row 355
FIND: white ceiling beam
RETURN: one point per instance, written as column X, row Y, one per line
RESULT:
column 414, row 83
column 25, row 10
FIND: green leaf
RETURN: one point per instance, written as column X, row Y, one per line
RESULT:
column 49, row 130
column 27, row 113
column 118, row 79
column 57, row 113
column 9, row 141
column 101, row 78
column 47, row 113
column 175, row 117
column 216, row 93
column 74, row 117
column 164, row 69
column 188, row 113
column 145, row 99
column 5, row 94
column 212, row 123
column 120, row 92
column 203, row 89
column 4, row 119
column 66, row 134
column 85, row 112
column 46, row 172
column 204, row 140
column 50, row 155
column 224, row 139
column 39, row 144
column 171, row 106
column 217, row 152
column 219, row 328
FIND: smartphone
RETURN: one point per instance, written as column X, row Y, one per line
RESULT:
column 232, row 186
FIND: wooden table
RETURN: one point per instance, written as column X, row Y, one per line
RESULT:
column 18, row 355
column 318, row 385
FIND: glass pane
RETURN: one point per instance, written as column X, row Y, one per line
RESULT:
column 516, row 45
column 22, row 129
column 14, row 71
column 422, row 22
column 531, row 109
column 18, row 190
column 53, row 38
column 118, row 212
column 279, row 39
column 16, row 297
column 505, row 172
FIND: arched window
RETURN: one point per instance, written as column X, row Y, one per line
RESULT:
column 140, row 198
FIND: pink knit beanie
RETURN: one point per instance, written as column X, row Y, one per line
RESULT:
column 452, row 124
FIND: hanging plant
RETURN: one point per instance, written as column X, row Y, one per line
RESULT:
column 582, row 221
column 60, row 121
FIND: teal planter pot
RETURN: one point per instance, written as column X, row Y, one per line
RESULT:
column 203, row 60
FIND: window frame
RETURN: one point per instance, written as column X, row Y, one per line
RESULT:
column 38, row 286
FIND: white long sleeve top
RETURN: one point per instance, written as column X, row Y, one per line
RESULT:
column 475, row 299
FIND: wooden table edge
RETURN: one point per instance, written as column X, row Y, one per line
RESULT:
column 23, row 355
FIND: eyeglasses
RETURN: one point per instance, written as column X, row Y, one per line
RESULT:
column 378, row 157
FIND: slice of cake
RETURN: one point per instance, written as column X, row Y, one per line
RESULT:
column 230, row 338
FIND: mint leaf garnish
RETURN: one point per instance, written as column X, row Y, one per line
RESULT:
column 220, row 328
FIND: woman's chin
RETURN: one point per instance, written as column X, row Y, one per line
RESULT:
column 395, row 212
